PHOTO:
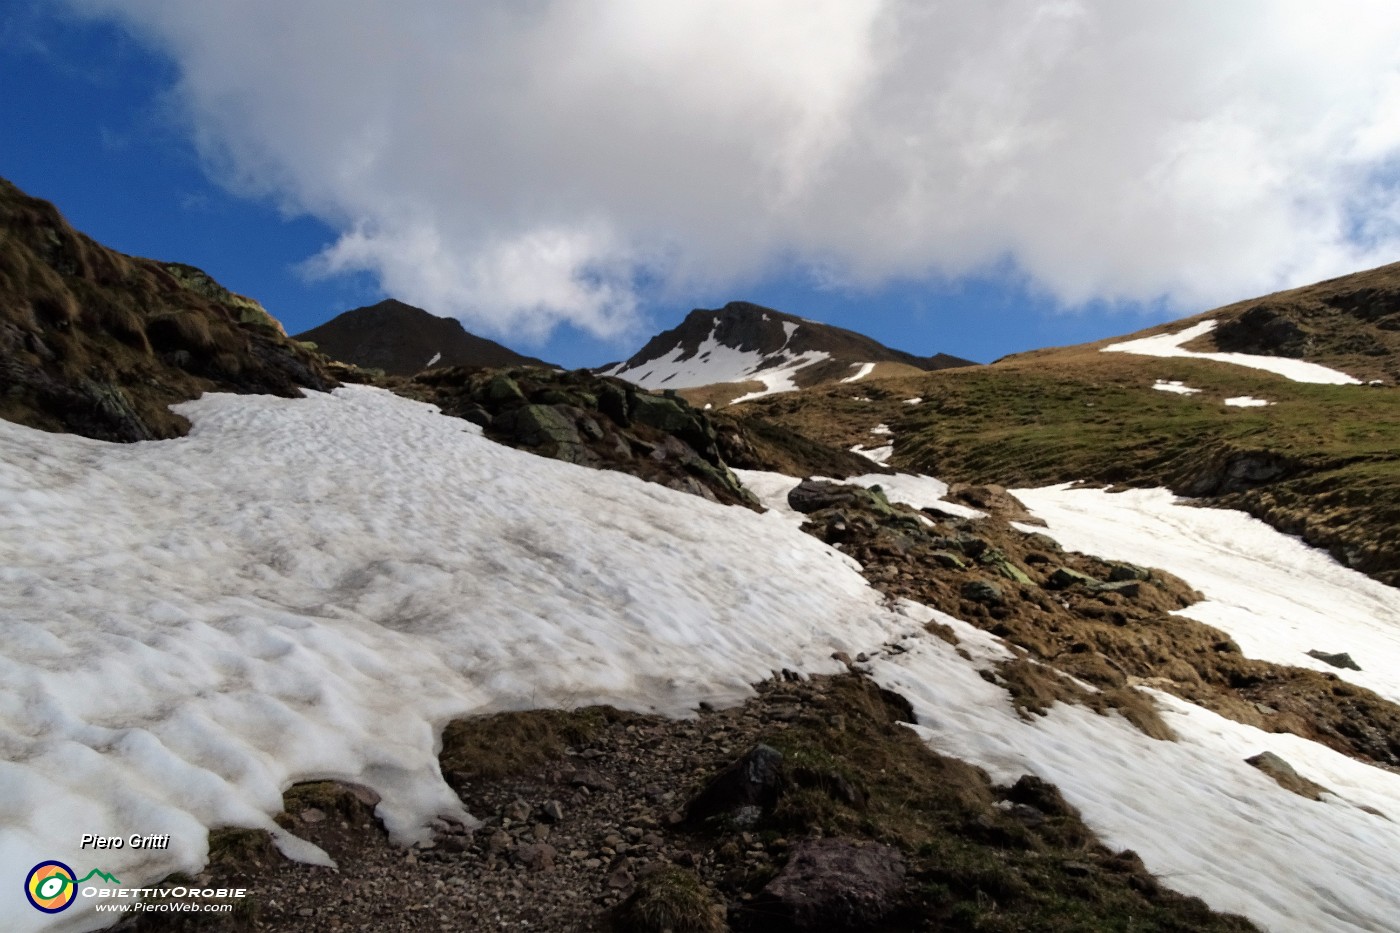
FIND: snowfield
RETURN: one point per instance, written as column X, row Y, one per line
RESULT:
column 714, row 362
column 1170, row 345
column 311, row 588
column 1277, row 597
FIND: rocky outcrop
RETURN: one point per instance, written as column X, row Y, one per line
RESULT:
column 591, row 421
column 98, row 343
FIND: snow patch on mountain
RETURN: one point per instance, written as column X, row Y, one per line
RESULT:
column 1174, row 386
column 1247, row 401
column 1169, row 345
column 1277, row 597
column 714, row 362
column 865, row 370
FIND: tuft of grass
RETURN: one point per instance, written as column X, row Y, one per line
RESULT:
column 670, row 900
column 503, row 744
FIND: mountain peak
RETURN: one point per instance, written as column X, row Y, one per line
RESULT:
column 402, row 339
column 745, row 350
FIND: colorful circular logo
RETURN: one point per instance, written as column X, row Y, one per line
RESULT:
column 51, row 887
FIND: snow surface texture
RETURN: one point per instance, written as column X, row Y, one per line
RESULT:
column 311, row 588
column 1175, row 386
column 1247, row 401
column 1170, row 345
column 714, row 362
column 1277, row 597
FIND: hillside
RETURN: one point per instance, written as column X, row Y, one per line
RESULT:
column 100, row 344
column 744, row 351
column 402, row 340
column 1318, row 460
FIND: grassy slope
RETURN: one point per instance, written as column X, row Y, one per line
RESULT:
column 98, row 343
column 1078, row 414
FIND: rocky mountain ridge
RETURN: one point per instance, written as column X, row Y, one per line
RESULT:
column 746, row 350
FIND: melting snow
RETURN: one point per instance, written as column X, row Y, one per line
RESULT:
column 436, row 356
column 913, row 401
column 880, row 455
column 1180, row 388
column 1277, row 597
column 865, row 370
column 310, row 588
column 1170, row 345
column 880, row 429
column 1246, row 401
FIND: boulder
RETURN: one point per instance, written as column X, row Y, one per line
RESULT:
column 754, row 781
column 983, row 591
column 834, row 884
column 1340, row 659
column 1063, row 578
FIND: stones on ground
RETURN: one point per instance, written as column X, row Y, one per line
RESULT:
column 553, row 811
column 748, row 787
column 1340, row 659
column 835, row 884
column 1064, row 578
column 538, row 856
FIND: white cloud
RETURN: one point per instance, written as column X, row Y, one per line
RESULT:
column 519, row 164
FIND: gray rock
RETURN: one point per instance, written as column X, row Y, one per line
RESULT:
column 983, row 591
column 1340, row 659
column 755, row 780
column 1063, row 578
column 835, row 884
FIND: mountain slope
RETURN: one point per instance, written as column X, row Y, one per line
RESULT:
column 744, row 351
column 1350, row 323
column 402, row 340
column 1314, row 459
column 99, row 343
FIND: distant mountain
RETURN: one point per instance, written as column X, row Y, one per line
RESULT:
column 402, row 340
column 98, row 343
column 744, row 351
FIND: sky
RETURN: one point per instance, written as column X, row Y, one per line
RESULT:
column 571, row 176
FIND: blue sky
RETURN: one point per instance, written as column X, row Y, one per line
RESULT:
column 134, row 140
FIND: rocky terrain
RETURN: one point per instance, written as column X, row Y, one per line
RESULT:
column 808, row 808
column 402, row 340
column 98, row 343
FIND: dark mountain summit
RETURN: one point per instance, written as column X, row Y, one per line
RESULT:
column 99, row 343
column 402, row 340
column 753, row 349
